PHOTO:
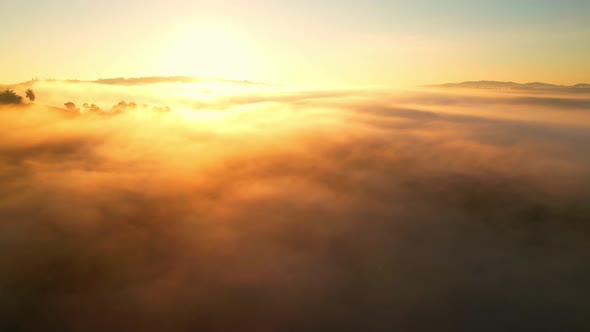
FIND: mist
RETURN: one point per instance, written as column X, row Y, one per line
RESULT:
column 226, row 206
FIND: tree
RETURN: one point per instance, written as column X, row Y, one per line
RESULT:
column 30, row 95
column 9, row 97
column 71, row 107
column 92, row 108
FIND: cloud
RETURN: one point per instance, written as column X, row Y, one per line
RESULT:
column 270, row 209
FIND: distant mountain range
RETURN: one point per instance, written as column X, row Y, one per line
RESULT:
column 495, row 85
column 135, row 81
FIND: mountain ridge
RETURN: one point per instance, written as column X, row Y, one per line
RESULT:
column 500, row 85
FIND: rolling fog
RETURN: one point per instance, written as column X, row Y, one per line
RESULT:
column 245, row 207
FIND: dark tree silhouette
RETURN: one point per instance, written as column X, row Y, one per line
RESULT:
column 30, row 95
column 9, row 97
column 92, row 108
column 71, row 107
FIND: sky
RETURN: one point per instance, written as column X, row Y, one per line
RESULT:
column 369, row 42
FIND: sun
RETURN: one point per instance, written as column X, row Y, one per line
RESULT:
column 209, row 49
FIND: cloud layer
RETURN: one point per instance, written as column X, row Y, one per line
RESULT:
column 267, row 209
